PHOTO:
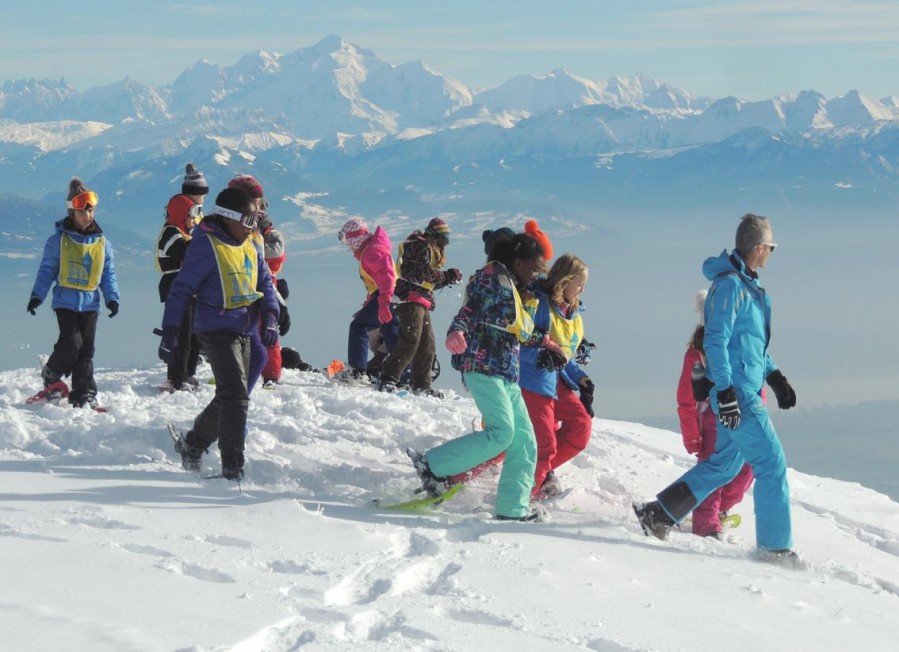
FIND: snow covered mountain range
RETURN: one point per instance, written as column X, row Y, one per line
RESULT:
column 335, row 118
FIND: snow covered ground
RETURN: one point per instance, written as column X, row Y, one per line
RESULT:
column 107, row 545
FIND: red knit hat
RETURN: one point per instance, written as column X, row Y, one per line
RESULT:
column 533, row 229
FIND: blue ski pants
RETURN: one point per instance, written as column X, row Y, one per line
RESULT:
column 755, row 442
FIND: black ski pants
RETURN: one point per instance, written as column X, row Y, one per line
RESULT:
column 225, row 418
column 73, row 352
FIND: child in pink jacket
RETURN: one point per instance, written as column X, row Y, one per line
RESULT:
column 376, row 268
column 699, row 429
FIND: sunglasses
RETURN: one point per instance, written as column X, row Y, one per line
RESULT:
column 82, row 201
column 246, row 220
column 771, row 246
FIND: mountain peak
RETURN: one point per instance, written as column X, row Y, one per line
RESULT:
column 330, row 44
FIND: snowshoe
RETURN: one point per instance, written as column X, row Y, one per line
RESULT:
column 52, row 392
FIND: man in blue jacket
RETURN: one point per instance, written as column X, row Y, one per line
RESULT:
column 226, row 271
column 737, row 330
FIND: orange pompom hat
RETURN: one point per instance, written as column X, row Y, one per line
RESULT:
column 533, row 229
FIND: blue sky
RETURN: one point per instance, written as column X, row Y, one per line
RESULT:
column 752, row 49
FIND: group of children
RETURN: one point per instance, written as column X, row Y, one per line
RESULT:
column 514, row 341
column 515, row 338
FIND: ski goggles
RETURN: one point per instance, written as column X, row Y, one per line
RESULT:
column 195, row 214
column 82, row 201
column 247, row 220
column 349, row 235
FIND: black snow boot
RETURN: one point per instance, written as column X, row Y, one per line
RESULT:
column 654, row 519
column 430, row 483
column 190, row 455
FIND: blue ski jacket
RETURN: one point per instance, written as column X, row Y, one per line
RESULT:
column 737, row 326
column 48, row 271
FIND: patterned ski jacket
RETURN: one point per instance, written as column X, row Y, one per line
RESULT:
column 418, row 276
column 737, row 327
column 49, row 272
column 200, row 276
column 495, row 321
column 565, row 330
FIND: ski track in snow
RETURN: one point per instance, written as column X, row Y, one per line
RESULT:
column 299, row 552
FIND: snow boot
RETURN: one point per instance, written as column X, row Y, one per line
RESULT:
column 190, row 455
column 654, row 519
column 428, row 391
column 433, row 485
column 232, row 473
column 550, row 487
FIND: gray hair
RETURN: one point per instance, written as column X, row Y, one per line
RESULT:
column 751, row 233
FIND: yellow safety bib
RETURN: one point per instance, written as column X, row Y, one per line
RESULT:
column 523, row 325
column 370, row 285
column 567, row 333
column 238, row 271
column 81, row 264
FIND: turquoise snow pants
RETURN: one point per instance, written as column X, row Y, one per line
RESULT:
column 755, row 442
column 507, row 428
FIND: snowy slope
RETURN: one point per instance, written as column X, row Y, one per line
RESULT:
column 108, row 545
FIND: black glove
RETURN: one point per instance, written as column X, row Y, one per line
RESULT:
column 453, row 276
column 269, row 332
column 168, row 347
column 282, row 288
column 283, row 321
column 113, row 308
column 701, row 384
column 550, row 360
column 728, row 408
column 587, row 397
column 786, row 397
column 33, row 303
column 584, row 351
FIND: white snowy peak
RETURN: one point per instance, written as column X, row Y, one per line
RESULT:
column 560, row 90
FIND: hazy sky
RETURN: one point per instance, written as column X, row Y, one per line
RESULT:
column 752, row 49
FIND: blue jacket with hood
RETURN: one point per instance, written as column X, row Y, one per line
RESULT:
column 48, row 272
column 199, row 276
column 737, row 326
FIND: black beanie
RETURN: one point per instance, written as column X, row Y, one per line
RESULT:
column 491, row 238
column 194, row 181
column 234, row 199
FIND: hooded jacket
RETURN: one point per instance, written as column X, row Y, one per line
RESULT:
column 491, row 311
column 418, row 277
column 376, row 266
column 737, row 326
column 199, row 276
column 48, row 271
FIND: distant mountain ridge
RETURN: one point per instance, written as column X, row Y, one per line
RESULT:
column 333, row 118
